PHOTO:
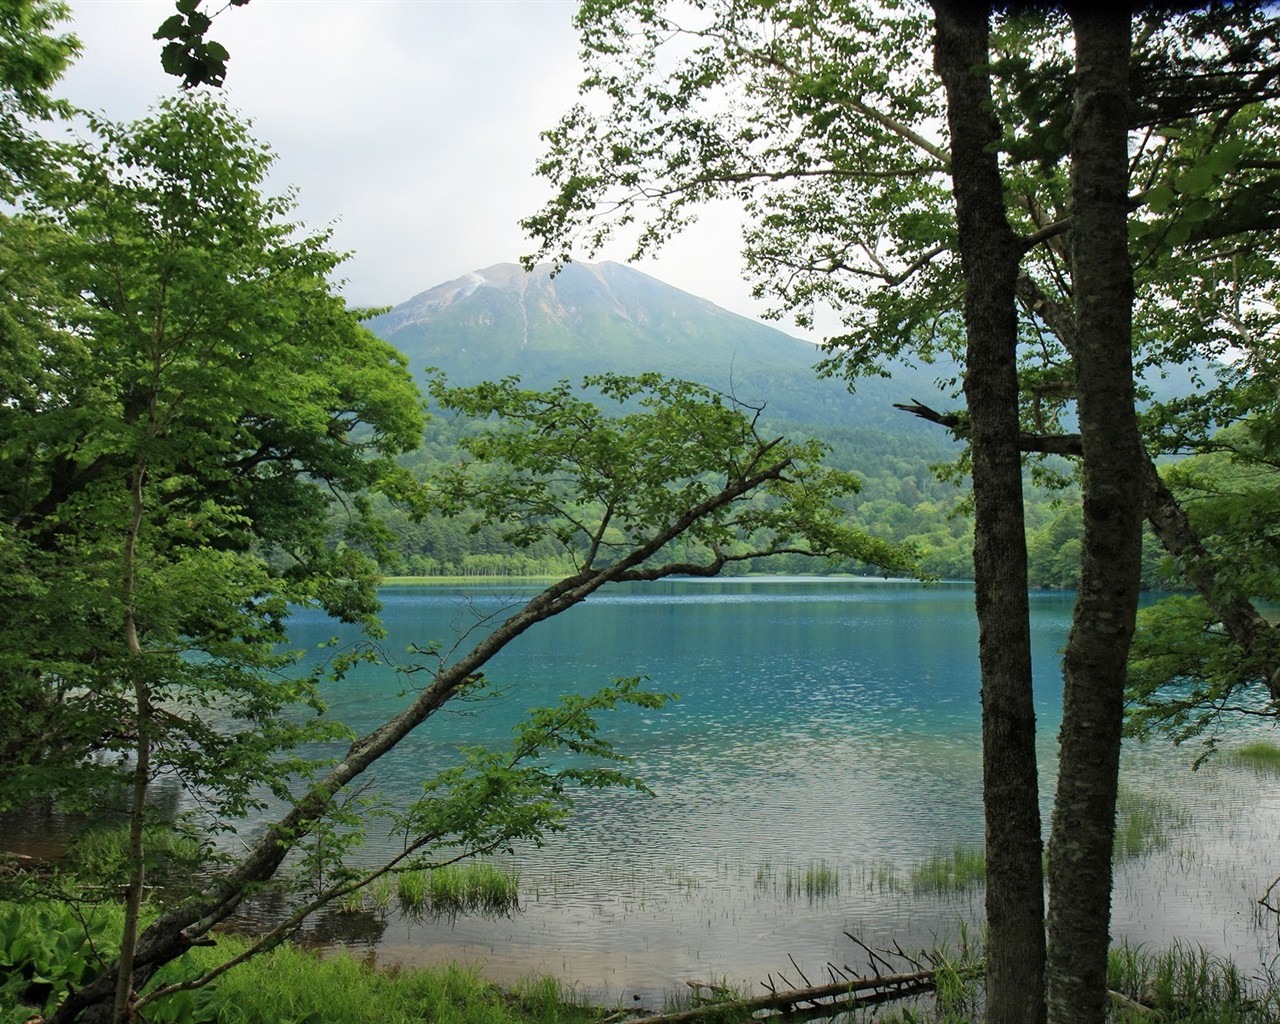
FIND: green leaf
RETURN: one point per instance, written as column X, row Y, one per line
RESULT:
column 1194, row 181
column 1225, row 156
column 1160, row 198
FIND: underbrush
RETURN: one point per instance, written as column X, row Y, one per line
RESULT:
column 48, row 947
column 45, row 948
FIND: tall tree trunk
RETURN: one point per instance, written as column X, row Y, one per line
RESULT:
column 1102, row 626
column 990, row 256
column 136, row 888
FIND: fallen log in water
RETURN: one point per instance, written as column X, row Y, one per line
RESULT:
column 815, row 1000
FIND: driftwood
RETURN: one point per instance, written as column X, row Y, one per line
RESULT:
column 815, row 1000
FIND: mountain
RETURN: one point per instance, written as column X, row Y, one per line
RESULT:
column 591, row 318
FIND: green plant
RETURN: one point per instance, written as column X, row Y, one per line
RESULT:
column 47, row 948
column 411, row 889
column 1262, row 756
column 959, row 871
column 1144, row 822
column 1187, row 985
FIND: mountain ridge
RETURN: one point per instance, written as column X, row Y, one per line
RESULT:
column 591, row 318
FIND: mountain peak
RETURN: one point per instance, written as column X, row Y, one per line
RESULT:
column 596, row 317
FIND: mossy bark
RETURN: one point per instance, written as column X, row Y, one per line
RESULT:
column 990, row 255
column 1094, row 664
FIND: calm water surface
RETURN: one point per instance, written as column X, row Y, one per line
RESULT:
column 819, row 721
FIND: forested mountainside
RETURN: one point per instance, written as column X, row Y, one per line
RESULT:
column 593, row 318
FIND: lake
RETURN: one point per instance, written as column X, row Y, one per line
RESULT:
column 830, row 722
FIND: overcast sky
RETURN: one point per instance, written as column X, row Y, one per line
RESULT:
column 411, row 126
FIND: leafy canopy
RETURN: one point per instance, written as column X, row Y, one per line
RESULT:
column 180, row 374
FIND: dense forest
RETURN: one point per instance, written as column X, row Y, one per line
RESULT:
column 910, row 493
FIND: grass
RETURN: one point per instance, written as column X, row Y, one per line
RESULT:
column 474, row 886
column 1145, row 823
column 698, row 995
column 959, row 871
column 1179, row 985
column 99, row 856
column 1263, row 757
column 817, row 880
column 1185, row 985
column 290, row 984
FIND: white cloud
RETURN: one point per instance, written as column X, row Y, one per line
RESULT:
column 411, row 126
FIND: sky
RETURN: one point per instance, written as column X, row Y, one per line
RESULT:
column 408, row 126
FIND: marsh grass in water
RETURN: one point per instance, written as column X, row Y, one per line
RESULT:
column 471, row 887
column 1145, row 822
column 703, row 995
column 1179, row 985
column 961, row 870
column 1262, row 757
column 817, row 880
column 99, row 856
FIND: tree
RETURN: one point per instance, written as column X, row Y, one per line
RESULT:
column 990, row 255
column 617, row 491
column 188, row 396
column 825, row 125
column 32, row 59
column 189, row 401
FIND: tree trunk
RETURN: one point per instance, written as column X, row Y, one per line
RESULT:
column 1102, row 626
column 136, row 889
column 990, row 256
column 1257, row 638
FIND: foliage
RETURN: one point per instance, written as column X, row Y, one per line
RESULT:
column 680, row 481
column 186, row 398
column 1187, row 672
column 33, row 56
column 180, row 359
column 59, row 942
column 563, row 471
column 187, row 53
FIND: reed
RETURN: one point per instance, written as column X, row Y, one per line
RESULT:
column 1145, row 823
column 472, row 887
column 412, row 888
column 959, row 871
column 1263, row 757
column 817, row 880
column 1187, row 985
column 99, row 856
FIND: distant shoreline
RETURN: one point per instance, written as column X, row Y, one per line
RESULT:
column 415, row 581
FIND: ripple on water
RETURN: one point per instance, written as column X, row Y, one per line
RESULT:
column 831, row 727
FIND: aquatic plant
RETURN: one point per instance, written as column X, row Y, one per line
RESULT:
column 411, row 889
column 964, row 868
column 1145, row 822
column 1262, row 756
column 817, row 880
column 1187, row 985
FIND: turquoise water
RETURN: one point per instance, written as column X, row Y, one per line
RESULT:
column 820, row 721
